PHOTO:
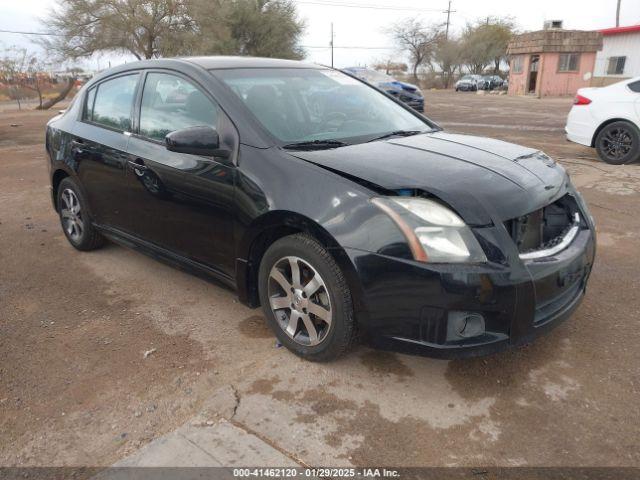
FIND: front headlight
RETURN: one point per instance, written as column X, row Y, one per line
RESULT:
column 434, row 232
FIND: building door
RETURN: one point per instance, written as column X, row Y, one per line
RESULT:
column 533, row 73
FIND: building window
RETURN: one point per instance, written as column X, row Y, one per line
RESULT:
column 616, row 65
column 568, row 62
column 517, row 64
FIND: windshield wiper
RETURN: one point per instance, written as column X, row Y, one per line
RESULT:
column 398, row 133
column 315, row 145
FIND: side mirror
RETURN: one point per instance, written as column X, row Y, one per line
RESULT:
column 195, row 141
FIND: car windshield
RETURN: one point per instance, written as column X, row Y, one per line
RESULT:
column 307, row 105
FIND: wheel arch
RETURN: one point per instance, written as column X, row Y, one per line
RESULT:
column 609, row 121
column 56, row 178
column 272, row 226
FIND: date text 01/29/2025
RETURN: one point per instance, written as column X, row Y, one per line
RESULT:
column 315, row 472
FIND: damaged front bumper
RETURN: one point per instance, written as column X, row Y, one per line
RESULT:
column 450, row 311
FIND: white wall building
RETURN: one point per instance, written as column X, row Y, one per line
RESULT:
column 619, row 57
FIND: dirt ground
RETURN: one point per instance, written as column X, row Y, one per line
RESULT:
column 75, row 388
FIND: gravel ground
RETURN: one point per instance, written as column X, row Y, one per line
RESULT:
column 75, row 388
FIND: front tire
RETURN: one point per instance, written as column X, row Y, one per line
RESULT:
column 74, row 217
column 618, row 143
column 306, row 299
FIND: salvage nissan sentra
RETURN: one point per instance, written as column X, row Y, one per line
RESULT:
column 342, row 212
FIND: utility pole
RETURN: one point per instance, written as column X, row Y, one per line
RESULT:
column 448, row 11
column 331, row 43
column 618, row 14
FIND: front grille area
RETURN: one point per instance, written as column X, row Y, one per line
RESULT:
column 543, row 228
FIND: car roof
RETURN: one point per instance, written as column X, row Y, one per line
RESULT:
column 207, row 63
column 225, row 62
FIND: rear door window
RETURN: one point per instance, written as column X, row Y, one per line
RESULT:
column 171, row 103
column 113, row 102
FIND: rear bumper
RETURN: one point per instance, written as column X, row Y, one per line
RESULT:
column 577, row 136
column 580, row 127
column 409, row 305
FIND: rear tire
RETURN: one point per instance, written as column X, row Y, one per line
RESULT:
column 74, row 217
column 618, row 143
column 306, row 299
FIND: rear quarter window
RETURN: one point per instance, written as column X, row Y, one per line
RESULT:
column 88, row 105
column 635, row 86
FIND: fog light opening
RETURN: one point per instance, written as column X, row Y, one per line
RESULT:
column 464, row 325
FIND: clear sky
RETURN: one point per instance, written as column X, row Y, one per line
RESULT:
column 365, row 27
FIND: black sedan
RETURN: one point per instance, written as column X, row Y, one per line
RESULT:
column 361, row 219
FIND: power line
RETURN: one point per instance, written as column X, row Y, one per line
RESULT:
column 349, row 47
column 333, row 3
column 31, row 33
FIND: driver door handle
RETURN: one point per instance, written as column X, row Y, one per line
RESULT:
column 140, row 167
column 77, row 146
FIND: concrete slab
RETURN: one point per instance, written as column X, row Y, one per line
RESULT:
column 216, row 445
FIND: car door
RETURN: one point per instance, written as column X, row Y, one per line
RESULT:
column 180, row 202
column 99, row 144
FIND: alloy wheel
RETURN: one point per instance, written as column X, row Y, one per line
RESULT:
column 71, row 214
column 300, row 301
column 617, row 143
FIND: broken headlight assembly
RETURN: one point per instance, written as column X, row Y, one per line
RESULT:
column 434, row 232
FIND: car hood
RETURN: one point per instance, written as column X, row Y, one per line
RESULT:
column 485, row 180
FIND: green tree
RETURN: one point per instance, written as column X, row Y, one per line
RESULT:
column 448, row 57
column 266, row 28
column 485, row 42
column 143, row 28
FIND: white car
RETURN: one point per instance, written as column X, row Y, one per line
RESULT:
column 608, row 119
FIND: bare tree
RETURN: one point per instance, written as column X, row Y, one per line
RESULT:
column 390, row 65
column 417, row 39
column 71, row 81
column 24, row 71
column 157, row 28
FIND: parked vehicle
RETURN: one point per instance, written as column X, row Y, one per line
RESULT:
column 468, row 83
column 608, row 119
column 489, row 82
column 342, row 222
column 405, row 92
column 484, row 82
column 495, row 81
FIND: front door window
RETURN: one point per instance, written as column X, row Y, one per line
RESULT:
column 171, row 103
